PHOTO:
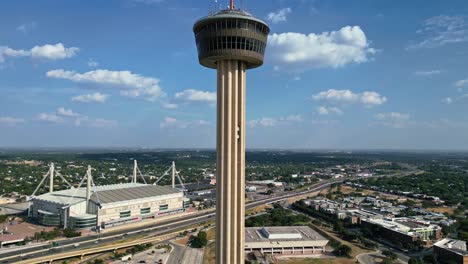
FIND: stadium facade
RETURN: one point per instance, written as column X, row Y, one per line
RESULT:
column 106, row 206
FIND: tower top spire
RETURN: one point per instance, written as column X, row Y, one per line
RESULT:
column 231, row 6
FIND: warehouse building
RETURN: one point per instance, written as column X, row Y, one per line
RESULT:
column 289, row 240
column 106, row 206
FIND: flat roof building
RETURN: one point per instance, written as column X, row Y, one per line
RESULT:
column 284, row 240
column 451, row 250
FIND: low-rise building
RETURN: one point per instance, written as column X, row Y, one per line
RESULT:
column 289, row 240
column 405, row 230
column 451, row 250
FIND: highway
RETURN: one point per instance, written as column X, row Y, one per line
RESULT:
column 156, row 229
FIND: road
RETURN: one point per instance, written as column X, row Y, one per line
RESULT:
column 134, row 232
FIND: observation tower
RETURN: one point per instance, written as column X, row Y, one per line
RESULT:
column 230, row 41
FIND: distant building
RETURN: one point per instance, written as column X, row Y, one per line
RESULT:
column 451, row 250
column 405, row 230
column 107, row 206
column 289, row 240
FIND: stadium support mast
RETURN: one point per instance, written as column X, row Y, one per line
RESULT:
column 88, row 184
column 51, row 177
column 135, row 171
column 173, row 174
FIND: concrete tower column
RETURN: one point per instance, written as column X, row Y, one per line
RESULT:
column 230, row 162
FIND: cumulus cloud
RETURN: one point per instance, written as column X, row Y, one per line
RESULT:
column 192, row 95
column 323, row 110
column 170, row 122
column 46, row 52
column 132, row 85
column 393, row 119
column 279, row 16
column 91, row 98
column 367, row 98
column 335, row 49
column 441, row 30
column 11, row 121
column 66, row 112
column 427, row 73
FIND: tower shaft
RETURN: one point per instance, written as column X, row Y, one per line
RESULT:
column 230, row 145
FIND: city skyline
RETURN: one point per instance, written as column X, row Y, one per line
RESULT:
column 336, row 75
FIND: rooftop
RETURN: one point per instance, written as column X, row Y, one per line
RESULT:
column 107, row 193
column 281, row 233
column 454, row 245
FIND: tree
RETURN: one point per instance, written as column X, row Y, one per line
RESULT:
column 414, row 261
column 386, row 261
column 342, row 251
column 200, row 240
column 389, row 254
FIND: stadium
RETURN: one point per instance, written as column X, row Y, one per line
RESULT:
column 99, row 207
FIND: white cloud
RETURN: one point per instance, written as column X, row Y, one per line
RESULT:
column 293, row 118
column 61, row 111
column 279, row 16
column 92, row 63
column 26, row 27
column 323, row 110
column 52, row 118
column 271, row 122
column 427, row 73
column 133, row 85
column 461, row 83
column 299, row 52
column 170, row 122
column 447, row 100
column 170, row 106
column 393, row 119
column 91, row 98
column 11, row 121
column 192, row 95
column 441, row 30
column 367, row 98
column 94, row 122
column 263, row 122
column 46, row 52
column 372, row 98
column 68, row 116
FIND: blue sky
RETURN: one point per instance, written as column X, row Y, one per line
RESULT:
column 338, row 75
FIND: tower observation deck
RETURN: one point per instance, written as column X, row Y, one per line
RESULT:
column 230, row 41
